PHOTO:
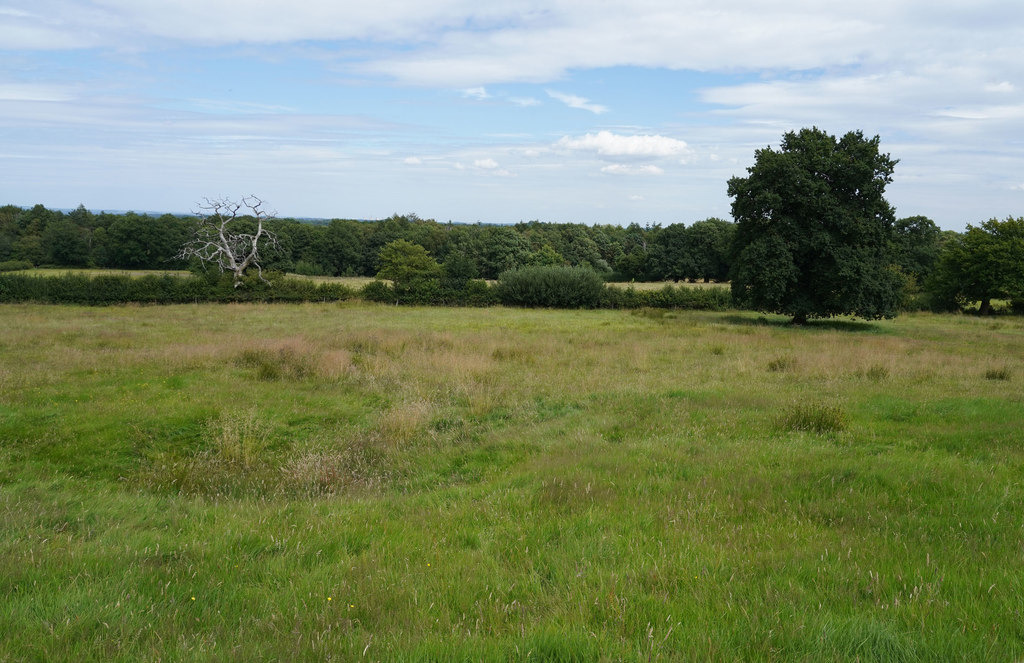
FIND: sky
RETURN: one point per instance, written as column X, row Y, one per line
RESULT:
column 582, row 111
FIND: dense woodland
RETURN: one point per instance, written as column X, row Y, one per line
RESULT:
column 942, row 269
column 344, row 247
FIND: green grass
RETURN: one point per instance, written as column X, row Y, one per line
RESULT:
column 314, row 482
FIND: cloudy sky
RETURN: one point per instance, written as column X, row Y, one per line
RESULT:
column 501, row 111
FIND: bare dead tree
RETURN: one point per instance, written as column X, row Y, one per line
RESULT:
column 220, row 236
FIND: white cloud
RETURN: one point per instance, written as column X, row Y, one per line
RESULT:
column 607, row 143
column 34, row 92
column 270, row 21
column 573, row 101
column 466, row 44
column 1004, row 86
column 413, row 161
column 626, row 169
column 525, row 101
column 478, row 93
column 486, row 166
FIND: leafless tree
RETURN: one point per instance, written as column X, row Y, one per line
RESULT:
column 220, row 236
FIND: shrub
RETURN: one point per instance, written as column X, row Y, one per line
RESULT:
column 378, row 291
column 551, row 286
column 422, row 291
column 478, row 293
column 14, row 265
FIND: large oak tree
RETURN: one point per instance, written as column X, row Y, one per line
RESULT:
column 814, row 231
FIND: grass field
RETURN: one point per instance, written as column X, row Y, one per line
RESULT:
column 356, row 482
column 658, row 285
column 60, row 271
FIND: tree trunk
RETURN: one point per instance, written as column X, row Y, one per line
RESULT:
column 986, row 307
column 799, row 319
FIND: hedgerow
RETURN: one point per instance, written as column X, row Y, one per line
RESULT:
column 163, row 289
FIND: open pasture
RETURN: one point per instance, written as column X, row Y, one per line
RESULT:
column 358, row 482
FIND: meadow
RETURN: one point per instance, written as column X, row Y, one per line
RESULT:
column 249, row 482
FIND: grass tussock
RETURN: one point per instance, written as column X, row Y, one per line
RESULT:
column 360, row 466
column 781, row 364
column 237, row 437
column 1000, row 373
column 295, row 360
column 877, row 373
column 819, row 419
column 284, row 362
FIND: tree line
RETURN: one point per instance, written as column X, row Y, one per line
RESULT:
column 813, row 237
column 345, row 247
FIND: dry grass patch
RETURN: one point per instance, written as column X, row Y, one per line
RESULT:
column 237, row 437
column 359, row 465
column 783, row 364
column 293, row 359
column 402, row 424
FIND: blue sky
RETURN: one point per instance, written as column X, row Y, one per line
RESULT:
column 506, row 111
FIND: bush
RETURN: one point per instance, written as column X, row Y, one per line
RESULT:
column 478, row 293
column 551, row 287
column 14, row 265
column 378, row 291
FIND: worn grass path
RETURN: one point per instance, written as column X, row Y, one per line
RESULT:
column 323, row 482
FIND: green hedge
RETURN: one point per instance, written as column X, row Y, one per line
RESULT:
column 577, row 287
column 432, row 292
column 162, row 289
column 681, row 297
column 549, row 287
